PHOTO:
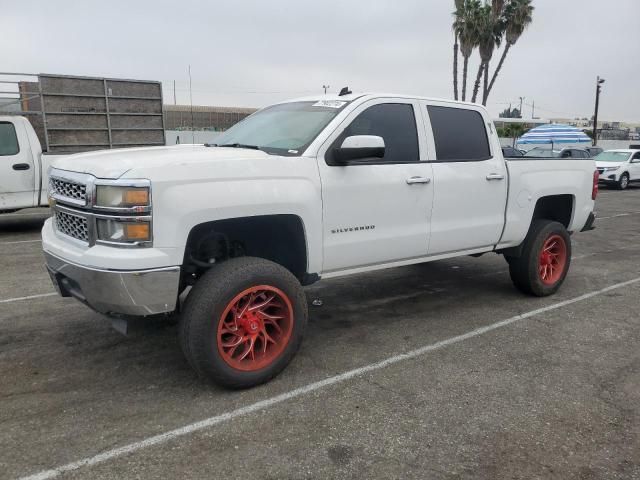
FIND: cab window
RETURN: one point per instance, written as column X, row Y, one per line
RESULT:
column 459, row 134
column 395, row 123
column 8, row 139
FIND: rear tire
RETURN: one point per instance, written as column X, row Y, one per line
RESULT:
column 545, row 259
column 243, row 322
column 623, row 183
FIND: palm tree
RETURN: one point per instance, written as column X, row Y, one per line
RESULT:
column 518, row 16
column 466, row 28
column 459, row 4
column 490, row 31
column 515, row 131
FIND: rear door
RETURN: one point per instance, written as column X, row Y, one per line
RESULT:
column 17, row 177
column 470, row 179
column 375, row 210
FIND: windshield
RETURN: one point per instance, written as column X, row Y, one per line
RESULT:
column 542, row 152
column 612, row 157
column 285, row 129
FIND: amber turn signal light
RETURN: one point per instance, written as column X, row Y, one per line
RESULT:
column 139, row 196
column 137, row 231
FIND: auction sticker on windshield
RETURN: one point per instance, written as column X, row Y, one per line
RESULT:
column 329, row 104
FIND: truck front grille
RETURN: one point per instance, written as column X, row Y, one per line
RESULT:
column 68, row 189
column 72, row 225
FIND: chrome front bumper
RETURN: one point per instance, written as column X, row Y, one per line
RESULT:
column 123, row 292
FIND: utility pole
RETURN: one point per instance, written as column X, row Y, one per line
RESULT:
column 599, row 82
column 521, row 100
column 326, row 87
column 193, row 133
column 533, row 109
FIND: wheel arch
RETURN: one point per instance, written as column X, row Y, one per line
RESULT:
column 281, row 238
column 557, row 207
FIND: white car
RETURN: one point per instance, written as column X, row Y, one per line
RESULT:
column 302, row 190
column 619, row 167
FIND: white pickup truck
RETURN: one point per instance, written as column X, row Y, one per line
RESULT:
column 23, row 166
column 302, row 190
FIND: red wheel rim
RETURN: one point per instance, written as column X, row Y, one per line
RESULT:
column 255, row 328
column 552, row 260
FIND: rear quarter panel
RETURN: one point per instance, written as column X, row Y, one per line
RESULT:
column 532, row 179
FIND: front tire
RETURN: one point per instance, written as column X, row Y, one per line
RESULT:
column 243, row 322
column 623, row 183
column 545, row 259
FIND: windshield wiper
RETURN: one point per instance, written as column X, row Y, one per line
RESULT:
column 239, row 145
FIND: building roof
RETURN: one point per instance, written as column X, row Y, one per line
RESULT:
column 206, row 108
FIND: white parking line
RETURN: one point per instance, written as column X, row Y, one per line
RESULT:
column 298, row 392
column 21, row 241
column 17, row 299
column 4, row 215
column 618, row 215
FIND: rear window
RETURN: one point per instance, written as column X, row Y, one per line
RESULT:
column 542, row 153
column 459, row 134
column 8, row 139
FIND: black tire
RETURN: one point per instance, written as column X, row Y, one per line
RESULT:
column 211, row 297
column 623, row 183
column 525, row 270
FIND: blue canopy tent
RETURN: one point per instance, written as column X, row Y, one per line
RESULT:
column 554, row 133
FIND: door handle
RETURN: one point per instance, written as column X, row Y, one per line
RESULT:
column 495, row 176
column 412, row 180
column 21, row 166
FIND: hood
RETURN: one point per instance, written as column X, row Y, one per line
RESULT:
column 609, row 164
column 115, row 163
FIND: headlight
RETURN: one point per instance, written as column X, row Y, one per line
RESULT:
column 122, row 197
column 610, row 169
column 122, row 231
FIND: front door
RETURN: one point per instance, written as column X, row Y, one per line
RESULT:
column 634, row 167
column 17, row 180
column 469, row 180
column 377, row 210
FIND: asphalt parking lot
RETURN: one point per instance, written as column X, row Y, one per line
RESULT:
column 440, row 370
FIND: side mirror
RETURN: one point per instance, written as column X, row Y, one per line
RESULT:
column 360, row 146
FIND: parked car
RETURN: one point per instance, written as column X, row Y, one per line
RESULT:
column 619, row 167
column 548, row 152
column 299, row 191
column 511, row 152
column 594, row 151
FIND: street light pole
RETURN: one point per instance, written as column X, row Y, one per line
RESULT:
column 599, row 82
column 326, row 87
